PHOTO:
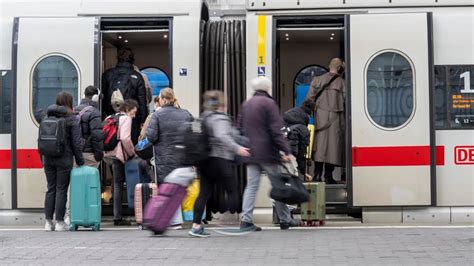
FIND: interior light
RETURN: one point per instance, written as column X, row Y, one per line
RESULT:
column 126, row 41
column 287, row 38
column 332, row 38
column 332, row 34
column 120, row 36
column 165, row 36
column 286, row 35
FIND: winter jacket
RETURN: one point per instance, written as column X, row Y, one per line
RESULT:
column 125, row 148
column 74, row 141
column 260, row 121
column 296, row 119
column 135, row 91
column 330, row 119
column 221, row 135
column 162, row 133
column 91, row 126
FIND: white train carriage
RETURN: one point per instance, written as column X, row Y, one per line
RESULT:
column 49, row 46
column 409, row 98
column 410, row 94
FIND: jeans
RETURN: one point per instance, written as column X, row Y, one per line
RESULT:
column 254, row 172
column 118, row 170
column 58, row 182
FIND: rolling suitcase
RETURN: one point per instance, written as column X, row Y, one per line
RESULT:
column 133, row 176
column 143, row 193
column 85, row 199
column 315, row 208
column 160, row 209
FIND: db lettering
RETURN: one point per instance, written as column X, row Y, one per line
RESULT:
column 464, row 155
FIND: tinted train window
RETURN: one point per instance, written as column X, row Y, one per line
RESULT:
column 158, row 80
column 5, row 102
column 390, row 90
column 454, row 97
column 52, row 75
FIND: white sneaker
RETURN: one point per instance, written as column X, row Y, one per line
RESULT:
column 61, row 227
column 49, row 226
column 175, row 227
column 67, row 220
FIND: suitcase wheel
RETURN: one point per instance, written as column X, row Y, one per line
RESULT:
column 96, row 227
column 140, row 227
column 73, row 227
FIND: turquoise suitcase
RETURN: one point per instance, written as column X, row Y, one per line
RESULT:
column 85, row 198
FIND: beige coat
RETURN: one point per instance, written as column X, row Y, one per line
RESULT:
column 330, row 120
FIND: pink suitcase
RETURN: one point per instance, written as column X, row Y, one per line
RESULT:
column 143, row 193
column 160, row 209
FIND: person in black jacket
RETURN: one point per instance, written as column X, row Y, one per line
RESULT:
column 91, row 126
column 58, row 169
column 296, row 120
column 134, row 88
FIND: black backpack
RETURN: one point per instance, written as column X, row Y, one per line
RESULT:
column 52, row 136
column 119, row 87
column 192, row 144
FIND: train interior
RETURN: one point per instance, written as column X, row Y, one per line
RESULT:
column 150, row 41
column 304, row 48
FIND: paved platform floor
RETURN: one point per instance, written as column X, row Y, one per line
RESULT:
column 315, row 246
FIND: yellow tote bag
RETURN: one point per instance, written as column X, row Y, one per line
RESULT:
column 309, row 151
column 192, row 193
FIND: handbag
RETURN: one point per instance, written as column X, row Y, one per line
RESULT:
column 144, row 149
column 289, row 189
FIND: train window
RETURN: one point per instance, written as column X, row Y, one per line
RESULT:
column 158, row 80
column 51, row 75
column 390, row 90
column 454, row 97
column 5, row 102
column 303, row 80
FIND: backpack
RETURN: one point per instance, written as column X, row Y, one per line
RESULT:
column 52, row 136
column 110, row 128
column 79, row 117
column 192, row 145
column 120, row 85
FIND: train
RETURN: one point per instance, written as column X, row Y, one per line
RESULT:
column 409, row 131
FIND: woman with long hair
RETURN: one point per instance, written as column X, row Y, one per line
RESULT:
column 58, row 168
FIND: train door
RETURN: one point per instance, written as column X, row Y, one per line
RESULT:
column 304, row 46
column 150, row 39
column 49, row 55
column 392, row 145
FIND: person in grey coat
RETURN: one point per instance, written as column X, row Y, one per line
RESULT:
column 162, row 130
column 260, row 121
column 217, row 168
column 329, row 121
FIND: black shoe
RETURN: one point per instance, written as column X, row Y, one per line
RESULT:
column 330, row 181
column 122, row 222
column 284, row 226
column 249, row 227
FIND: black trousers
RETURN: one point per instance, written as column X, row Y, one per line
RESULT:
column 318, row 170
column 215, row 171
column 118, row 170
column 58, row 178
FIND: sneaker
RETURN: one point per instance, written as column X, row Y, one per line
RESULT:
column 122, row 222
column 49, row 226
column 284, row 226
column 67, row 220
column 244, row 226
column 61, row 227
column 200, row 232
column 175, row 227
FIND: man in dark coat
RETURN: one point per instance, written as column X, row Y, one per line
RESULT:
column 91, row 126
column 260, row 121
column 330, row 122
column 296, row 121
column 131, row 85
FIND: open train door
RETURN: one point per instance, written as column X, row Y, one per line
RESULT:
column 49, row 55
column 391, row 160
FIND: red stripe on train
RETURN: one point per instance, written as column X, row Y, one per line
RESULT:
column 395, row 156
column 26, row 159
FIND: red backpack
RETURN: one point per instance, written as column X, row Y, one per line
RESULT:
column 110, row 128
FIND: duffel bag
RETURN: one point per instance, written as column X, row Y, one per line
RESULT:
column 289, row 189
column 144, row 149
